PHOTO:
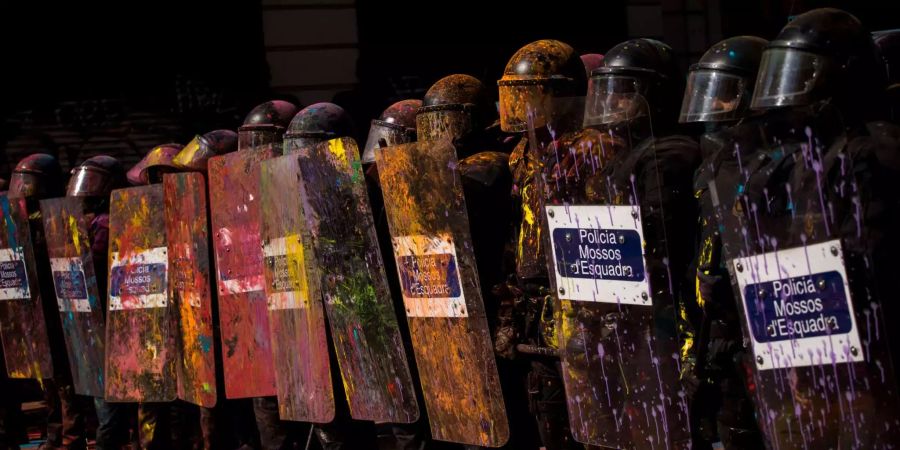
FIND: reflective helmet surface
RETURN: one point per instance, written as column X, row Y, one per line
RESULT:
column 822, row 54
column 634, row 75
column 317, row 123
column 97, row 176
column 37, row 175
column 720, row 85
column 395, row 126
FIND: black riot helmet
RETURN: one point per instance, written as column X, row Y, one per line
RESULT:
column 635, row 75
column 396, row 125
column 453, row 107
column 97, row 176
column 264, row 125
column 823, row 54
column 535, row 75
column 720, row 85
column 36, row 176
column 317, row 123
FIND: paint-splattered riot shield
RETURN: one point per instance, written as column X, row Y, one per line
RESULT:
column 23, row 330
column 429, row 226
column 364, row 327
column 615, row 197
column 243, row 320
column 293, row 286
column 67, row 227
column 807, row 233
column 187, row 229
column 140, row 331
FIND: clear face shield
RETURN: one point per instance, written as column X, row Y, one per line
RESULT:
column 713, row 96
column 789, row 77
column 614, row 98
column 88, row 181
column 384, row 134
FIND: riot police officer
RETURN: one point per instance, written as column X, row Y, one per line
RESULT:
column 823, row 176
column 94, row 180
column 535, row 76
column 37, row 177
column 718, row 95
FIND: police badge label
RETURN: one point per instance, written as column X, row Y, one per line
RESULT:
column 599, row 254
column 13, row 278
column 139, row 280
column 798, row 307
column 70, row 283
column 429, row 276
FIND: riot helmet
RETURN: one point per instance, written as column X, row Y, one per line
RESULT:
column 196, row 153
column 635, row 75
column 395, row 126
column 720, row 85
column 823, row 54
column 453, row 107
column 156, row 162
column 36, row 176
column 535, row 75
column 317, row 123
column 97, row 176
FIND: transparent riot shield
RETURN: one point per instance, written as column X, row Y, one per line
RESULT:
column 244, row 325
column 187, row 230
column 615, row 198
column 67, row 227
column 23, row 330
column 363, row 323
column 429, row 227
column 141, row 356
column 812, row 263
column 294, row 291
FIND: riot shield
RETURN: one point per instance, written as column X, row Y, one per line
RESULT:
column 187, row 230
column 429, row 227
column 360, row 310
column 294, row 291
column 809, row 254
column 67, row 229
column 244, row 325
column 26, row 346
column 609, row 222
column 140, row 331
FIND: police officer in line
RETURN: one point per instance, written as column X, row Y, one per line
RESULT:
column 822, row 166
column 535, row 75
column 94, row 180
column 718, row 95
column 36, row 177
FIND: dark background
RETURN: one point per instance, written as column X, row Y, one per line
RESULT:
column 85, row 80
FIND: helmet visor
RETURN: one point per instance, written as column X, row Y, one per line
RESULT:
column 712, row 96
column 613, row 98
column 23, row 184
column 521, row 98
column 89, row 181
column 381, row 135
column 787, row 77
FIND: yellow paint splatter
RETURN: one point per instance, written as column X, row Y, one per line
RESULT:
column 76, row 237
